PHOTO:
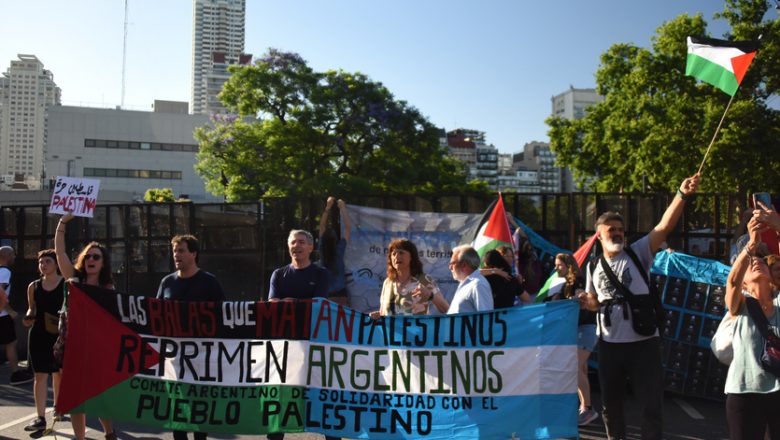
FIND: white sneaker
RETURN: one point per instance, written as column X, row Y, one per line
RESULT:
column 587, row 417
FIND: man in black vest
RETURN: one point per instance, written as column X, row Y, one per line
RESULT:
column 628, row 347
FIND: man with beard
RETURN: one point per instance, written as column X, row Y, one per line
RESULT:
column 624, row 353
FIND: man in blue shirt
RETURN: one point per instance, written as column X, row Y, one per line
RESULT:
column 189, row 283
column 473, row 293
column 300, row 279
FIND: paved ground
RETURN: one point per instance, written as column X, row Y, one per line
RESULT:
column 684, row 419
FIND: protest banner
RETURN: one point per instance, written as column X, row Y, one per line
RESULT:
column 315, row 366
column 74, row 194
column 365, row 259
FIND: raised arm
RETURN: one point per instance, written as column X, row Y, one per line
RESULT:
column 63, row 261
column 344, row 219
column 734, row 297
column 672, row 214
column 324, row 217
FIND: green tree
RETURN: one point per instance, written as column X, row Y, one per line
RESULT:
column 159, row 195
column 656, row 122
column 306, row 132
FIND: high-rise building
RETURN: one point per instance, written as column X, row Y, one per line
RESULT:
column 482, row 159
column 537, row 156
column 217, row 41
column 572, row 104
column 27, row 90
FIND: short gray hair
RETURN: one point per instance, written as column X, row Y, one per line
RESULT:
column 608, row 217
column 467, row 254
column 307, row 234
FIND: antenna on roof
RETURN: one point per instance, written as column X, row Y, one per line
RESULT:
column 124, row 58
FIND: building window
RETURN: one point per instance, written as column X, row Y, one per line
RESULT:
column 137, row 174
column 136, row 145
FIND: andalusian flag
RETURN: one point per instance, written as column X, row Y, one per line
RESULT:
column 494, row 232
column 719, row 62
column 554, row 284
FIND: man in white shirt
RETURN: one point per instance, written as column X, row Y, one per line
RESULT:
column 624, row 353
column 473, row 293
column 8, row 318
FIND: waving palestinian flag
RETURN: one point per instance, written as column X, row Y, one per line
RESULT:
column 719, row 62
column 554, row 284
column 494, row 232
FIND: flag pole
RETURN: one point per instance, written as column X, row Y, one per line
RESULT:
column 717, row 130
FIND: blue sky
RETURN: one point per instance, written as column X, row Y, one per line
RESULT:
column 489, row 65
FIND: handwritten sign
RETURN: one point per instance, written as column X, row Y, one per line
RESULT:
column 74, row 194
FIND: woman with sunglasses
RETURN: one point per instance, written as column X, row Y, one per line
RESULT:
column 93, row 268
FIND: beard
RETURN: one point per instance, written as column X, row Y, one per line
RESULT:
column 612, row 247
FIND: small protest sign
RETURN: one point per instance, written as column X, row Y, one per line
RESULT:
column 74, row 194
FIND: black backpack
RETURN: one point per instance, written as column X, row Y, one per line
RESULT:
column 647, row 311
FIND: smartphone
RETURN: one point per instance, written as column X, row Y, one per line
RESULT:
column 764, row 198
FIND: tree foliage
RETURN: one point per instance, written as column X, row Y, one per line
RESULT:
column 656, row 122
column 159, row 195
column 299, row 131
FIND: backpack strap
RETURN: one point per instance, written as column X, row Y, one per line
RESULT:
column 639, row 266
column 757, row 315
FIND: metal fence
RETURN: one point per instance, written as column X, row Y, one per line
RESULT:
column 242, row 243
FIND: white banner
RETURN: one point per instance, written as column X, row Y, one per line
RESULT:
column 434, row 234
column 74, row 194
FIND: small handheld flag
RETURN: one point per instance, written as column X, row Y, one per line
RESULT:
column 719, row 62
column 554, row 284
column 495, row 232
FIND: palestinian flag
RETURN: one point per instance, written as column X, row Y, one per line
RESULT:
column 719, row 62
column 494, row 232
column 554, row 284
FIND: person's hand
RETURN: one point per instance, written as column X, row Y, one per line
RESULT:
column 422, row 293
column 767, row 216
column 689, row 185
column 375, row 314
column 28, row 320
column 67, row 217
column 341, row 204
column 492, row 271
column 755, row 228
column 330, row 202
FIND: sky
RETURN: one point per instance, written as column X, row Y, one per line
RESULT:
column 489, row 65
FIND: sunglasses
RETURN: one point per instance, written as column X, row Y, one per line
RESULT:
column 95, row 257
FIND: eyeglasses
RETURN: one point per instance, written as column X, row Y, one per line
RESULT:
column 95, row 257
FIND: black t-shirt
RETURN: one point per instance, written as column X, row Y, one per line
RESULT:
column 504, row 291
column 202, row 286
